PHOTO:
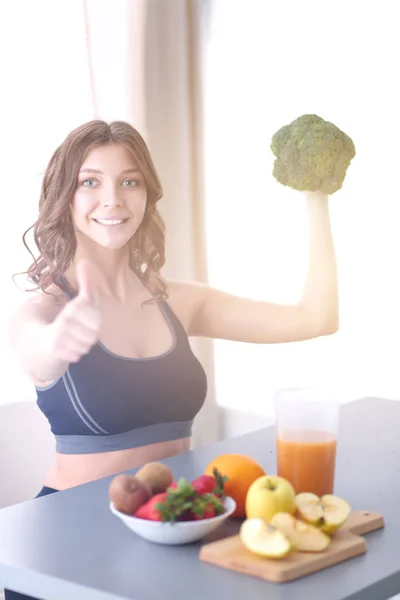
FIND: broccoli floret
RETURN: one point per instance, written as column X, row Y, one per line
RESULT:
column 311, row 155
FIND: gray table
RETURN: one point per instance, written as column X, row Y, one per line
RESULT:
column 69, row 545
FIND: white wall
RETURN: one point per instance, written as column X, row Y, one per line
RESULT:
column 268, row 63
column 27, row 451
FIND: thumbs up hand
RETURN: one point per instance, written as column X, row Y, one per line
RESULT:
column 87, row 288
column 76, row 329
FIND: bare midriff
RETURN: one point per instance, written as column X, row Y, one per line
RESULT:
column 71, row 470
column 307, row 460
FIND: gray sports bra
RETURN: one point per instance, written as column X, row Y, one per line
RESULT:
column 108, row 402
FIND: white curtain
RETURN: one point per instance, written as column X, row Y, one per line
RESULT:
column 115, row 47
column 267, row 63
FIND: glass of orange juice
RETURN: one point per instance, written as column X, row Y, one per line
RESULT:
column 307, row 423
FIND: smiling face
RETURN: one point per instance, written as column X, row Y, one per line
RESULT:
column 110, row 199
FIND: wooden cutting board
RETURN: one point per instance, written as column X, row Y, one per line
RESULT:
column 348, row 542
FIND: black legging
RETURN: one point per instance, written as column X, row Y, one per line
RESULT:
column 8, row 594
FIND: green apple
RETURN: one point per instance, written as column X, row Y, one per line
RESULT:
column 304, row 537
column 264, row 540
column 268, row 495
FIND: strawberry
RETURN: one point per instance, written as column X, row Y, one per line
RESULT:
column 187, row 515
column 143, row 511
column 207, row 506
column 208, row 513
column 173, row 486
column 153, row 512
column 205, row 484
column 181, row 503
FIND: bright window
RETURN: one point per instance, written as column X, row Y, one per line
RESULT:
column 267, row 63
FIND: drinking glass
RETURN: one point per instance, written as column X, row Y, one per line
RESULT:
column 307, row 424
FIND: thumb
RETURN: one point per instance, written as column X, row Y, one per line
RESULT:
column 86, row 284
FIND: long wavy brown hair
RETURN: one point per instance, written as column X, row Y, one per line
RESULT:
column 53, row 230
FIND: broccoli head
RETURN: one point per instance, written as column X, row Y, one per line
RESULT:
column 311, row 155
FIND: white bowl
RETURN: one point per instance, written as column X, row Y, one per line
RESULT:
column 181, row 532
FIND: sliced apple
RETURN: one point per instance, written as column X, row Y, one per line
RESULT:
column 328, row 513
column 264, row 540
column 304, row 537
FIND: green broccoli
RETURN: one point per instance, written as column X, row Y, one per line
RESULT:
column 311, row 155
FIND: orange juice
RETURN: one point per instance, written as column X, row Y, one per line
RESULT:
column 307, row 460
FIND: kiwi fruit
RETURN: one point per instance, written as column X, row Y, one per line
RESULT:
column 156, row 475
column 128, row 493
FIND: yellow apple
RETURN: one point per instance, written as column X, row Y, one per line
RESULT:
column 268, row 495
column 304, row 537
column 263, row 539
column 327, row 512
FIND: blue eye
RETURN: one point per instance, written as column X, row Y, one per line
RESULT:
column 88, row 182
column 130, row 183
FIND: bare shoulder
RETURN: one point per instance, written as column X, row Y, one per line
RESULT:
column 191, row 290
column 185, row 299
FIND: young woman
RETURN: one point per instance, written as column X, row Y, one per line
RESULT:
column 105, row 337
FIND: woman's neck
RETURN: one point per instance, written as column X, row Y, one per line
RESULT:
column 111, row 272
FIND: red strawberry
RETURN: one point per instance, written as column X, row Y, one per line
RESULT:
column 143, row 511
column 204, row 484
column 209, row 513
column 206, row 506
column 153, row 514
column 186, row 516
column 174, row 485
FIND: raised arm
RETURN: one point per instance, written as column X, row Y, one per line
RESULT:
column 218, row 314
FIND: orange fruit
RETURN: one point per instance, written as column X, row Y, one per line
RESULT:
column 241, row 471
